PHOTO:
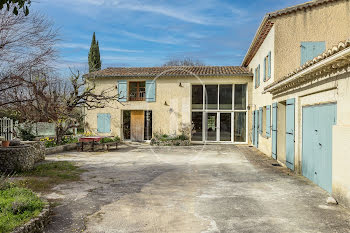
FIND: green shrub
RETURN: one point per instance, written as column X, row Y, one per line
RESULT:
column 25, row 132
column 109, row 139
column 69, row 140
column 17, row 206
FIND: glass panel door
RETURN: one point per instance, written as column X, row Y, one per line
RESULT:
column 211, row 126
column 197, row 123
column 240, row 127
column 225, row 126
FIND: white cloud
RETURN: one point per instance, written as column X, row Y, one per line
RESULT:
column 102, row 48
column 162, row 40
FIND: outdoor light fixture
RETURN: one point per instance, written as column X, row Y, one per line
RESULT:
column 165, row 103
column 180, row 85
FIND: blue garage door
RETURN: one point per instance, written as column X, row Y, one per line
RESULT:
column 318, row 121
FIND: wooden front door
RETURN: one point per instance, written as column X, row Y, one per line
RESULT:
column 137, row 125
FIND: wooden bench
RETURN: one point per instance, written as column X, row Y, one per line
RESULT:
column 109, row 144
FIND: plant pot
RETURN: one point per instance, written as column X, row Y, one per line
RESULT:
column 5, row 143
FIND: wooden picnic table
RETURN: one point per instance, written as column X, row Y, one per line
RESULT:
column 90, row 139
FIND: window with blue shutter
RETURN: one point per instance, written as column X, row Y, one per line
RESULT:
column 150, row 90
column 265, row 64
column 311, row 49
column 122, row 90
column 268, row 121
column 258, row 75
column 269, row 66
column 260, row 120
column 103, row 123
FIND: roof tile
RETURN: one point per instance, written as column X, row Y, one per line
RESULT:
column 170, row 71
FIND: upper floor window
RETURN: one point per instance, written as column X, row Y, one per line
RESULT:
column 267, row 67
column 311, row 49
column 219, row 97
column 257, row 76
column 137, row 91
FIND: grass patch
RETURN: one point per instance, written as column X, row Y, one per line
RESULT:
column 17, row 206
column 46, row 175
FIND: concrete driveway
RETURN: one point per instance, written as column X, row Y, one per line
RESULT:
column 216, row 188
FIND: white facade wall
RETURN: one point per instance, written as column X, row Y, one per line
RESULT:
column 259, row 99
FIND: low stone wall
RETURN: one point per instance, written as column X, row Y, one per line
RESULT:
column 39, row 150
column 16, row 158
column 60, row 149
column 170, row 143
column 37, row 224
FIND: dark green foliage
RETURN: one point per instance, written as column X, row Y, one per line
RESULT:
column 94, row 58
column 106, row 140
column 25, row 133
column 16, row 4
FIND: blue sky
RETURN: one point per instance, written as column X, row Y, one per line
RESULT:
column 150, row 32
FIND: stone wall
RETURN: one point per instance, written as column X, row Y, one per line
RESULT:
column 37, row 224
column 39, row 150
column 62, row 148
column 21, row 157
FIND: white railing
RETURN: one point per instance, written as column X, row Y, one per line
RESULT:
column 6, row 128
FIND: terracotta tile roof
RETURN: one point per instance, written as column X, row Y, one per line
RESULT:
column 171, row 71
column 267, row 24
column 334, row 50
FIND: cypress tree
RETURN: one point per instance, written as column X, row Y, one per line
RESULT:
column 94, row 58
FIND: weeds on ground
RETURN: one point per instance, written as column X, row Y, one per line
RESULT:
column 46, row 175
column 17, row 205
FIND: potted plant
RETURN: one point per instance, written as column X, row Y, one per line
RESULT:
column 4, row 142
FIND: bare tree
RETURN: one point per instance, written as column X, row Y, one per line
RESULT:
column 62, row 101
column 27, row 45
column 183, row 62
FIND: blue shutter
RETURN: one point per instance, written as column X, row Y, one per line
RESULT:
column 123, row 90
column 150, row 90
column 268, row 121
column 264, row 69
column 274, row 130
column 103, row 123
column 258, row 75
column 290, row 129
column 260, row 120
column 269, row 65
column 311, row 49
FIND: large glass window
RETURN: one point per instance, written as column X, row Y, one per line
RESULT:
column 211, row 98
column 225, row 99
column 197, row 126
column 197, row 97
column 240, row 96
column 219, row 118
column 240, row 127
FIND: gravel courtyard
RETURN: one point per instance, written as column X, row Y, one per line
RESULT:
column 212, row 188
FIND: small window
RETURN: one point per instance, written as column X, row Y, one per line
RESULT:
column 137, row 91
